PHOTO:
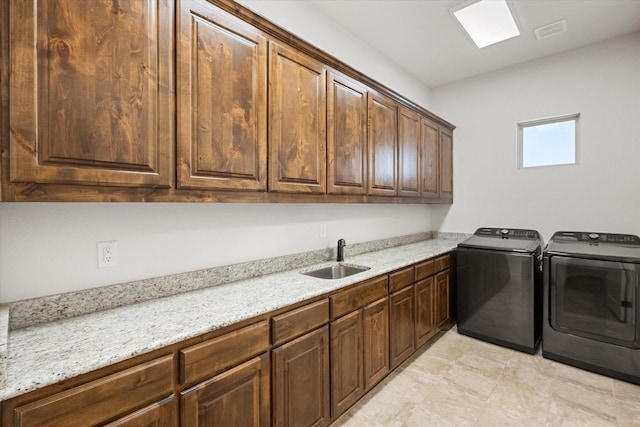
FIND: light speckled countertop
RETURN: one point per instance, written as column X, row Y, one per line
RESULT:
column 41, row 355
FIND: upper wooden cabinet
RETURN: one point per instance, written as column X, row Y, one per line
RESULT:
column 297, row 122
column 346, row 136
column 383, row 145
column 436, row 144
column 90, row 92
column 222, row 100
column 199, row 101
column 446, row 164
column 430, row 170
column 409, row 173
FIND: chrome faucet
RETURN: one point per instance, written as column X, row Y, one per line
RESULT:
column 341, row 245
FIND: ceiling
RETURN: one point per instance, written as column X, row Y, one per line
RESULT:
column 423, row 38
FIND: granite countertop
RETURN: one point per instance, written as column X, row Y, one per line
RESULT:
column 41, row 355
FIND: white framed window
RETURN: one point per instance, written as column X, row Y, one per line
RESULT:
column 548, row 142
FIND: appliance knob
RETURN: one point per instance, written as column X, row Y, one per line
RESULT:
column 504, row 231
column 594, row 236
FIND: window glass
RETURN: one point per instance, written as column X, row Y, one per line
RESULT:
column 547, row 142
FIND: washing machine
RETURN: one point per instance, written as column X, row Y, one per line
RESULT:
column 591, row 299
column 499, row 287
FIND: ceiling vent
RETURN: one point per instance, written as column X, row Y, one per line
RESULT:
column 551, row 30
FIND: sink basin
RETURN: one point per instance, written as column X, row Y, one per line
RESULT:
column 336, row 271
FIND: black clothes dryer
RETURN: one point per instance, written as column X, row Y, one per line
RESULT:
column 499, row 287
column 591, row 299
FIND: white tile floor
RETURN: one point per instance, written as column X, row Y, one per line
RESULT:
column 460, row 381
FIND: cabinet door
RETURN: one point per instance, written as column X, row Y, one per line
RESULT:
column 430, row 139
column 425, row 316
column 91, row 92
column 101, row 400
column 301, row 381
column 401, row 325
column 375, row 342
column 408, row 153
column 346, row 136
column 347, row 384
column 161, row 414
column 446, row 165
column 222, row 101
column 237, row 397
column 297, row 122
column 383, row 145
column 442, row 298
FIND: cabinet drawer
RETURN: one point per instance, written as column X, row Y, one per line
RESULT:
column 401, row 279
column 425, row 269
column 298, row 322
column 354, row 298
column 96, row 402
column 213, row 356
column 442, row 262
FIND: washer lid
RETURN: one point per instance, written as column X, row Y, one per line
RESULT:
column 504, row 239
column 606, row 246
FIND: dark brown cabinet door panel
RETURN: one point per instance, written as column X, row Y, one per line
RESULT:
column 401, row 326
column 383, row 145
column 297, row 122
column 238, row 397
column 375, row 342
column 222, row 101
column 301, row 381
column 442, row 298
column 408, row 153
column 430, row 138
column 92, row 84
column 446, row 165
column 425, row 316
column 346, row 136
column 347, row 385
column 101, row 400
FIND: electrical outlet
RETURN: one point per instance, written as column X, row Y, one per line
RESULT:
column 322, row 231
column 107, row 254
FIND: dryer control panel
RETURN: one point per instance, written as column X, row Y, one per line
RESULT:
column 590, row 237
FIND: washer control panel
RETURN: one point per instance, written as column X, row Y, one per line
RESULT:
column 506, row 233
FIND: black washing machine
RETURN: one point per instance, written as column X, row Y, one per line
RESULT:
column 499, row 287
column 591, row 299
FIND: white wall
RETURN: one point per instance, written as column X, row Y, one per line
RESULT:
column 50, row 248
column 600, row 193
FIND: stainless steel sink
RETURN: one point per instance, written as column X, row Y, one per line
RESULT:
column 336, row 271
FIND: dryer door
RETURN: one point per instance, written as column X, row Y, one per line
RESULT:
column 595, row 299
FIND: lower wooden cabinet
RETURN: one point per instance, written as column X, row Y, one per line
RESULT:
column 442, row 299
column 359, row 342
column 376, row 342
column 347, row 379
column 114, row 398
column 303, row 367
column 402, row 325
column 301, row 381
column 359, row 353
column 424, row 296
column 237, row 397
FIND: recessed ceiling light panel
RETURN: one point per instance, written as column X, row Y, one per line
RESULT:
column 486, row 21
